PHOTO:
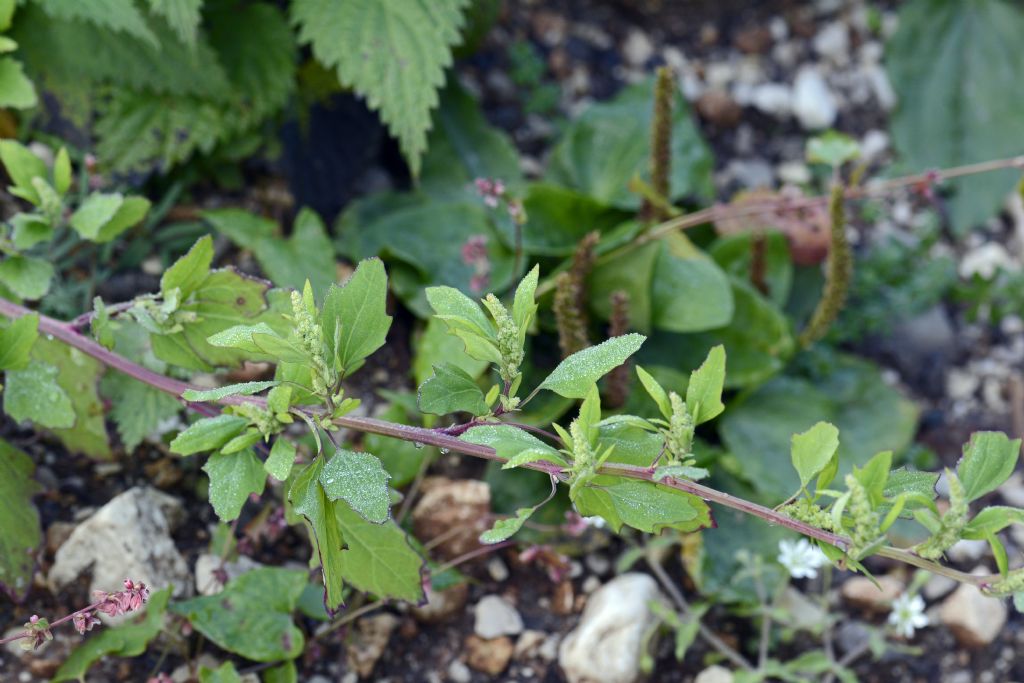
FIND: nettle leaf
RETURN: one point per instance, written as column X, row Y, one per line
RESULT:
column 378, row 558
column 360, row 480
column 252, row 616
column 959, row 100
column 213, row 395
column 989, row 459
column 20, row 532
column 308, row 499
column 207, row 434
column 22, row 166
column 33, row 393
column 16, row 342
column 812, row 450
column 116, row 15
column 233, row 477
column 26, row 276
column 354, row 317
column 704, row 392
column 574, row 376
column 281, row 459
column 182, row 15
column 642, row 505
column 503, row 529
column 450, row 390
column 138, row 409
column 127, row 640
column 307, row 255
column 366, row 40
column 513, row 444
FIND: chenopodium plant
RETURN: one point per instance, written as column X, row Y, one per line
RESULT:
column 626, row 469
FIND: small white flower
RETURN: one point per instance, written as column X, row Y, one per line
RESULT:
column 801, row 558
column 908, row 615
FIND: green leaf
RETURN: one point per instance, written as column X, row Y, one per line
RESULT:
column 309, row 500
column 560, row 217
column 214, row 395
column 643, row 505
column 524, row 305
column 188, row 273
column 902, row 480
column 16, row 90
column 138, row 409
column 30, row 229
column 233, row 476
column 436, row 347
column 851, row 394
column 27, row 277
column 116, row 15
column 813, row 450
column 62, row 171
column 131, row 211
column 33, row 393
column 959, row 97
column 989, row 459
column 655, row 391
column 283, row 673
column 609, row 144
column 992, row 520
column 127, row 640
column 734, row 254
column 207, row 434
column 20, row 532
column 576, row 374
column 16, row 342
column 259, row 340
column 360, row 480
column 357, row 313
column 252, row 616
column 450, row 390
column 832, row 148
column 307, row 255
column 22, row 166
column 95, row 212
column 704, row 392
column 513, row 444
column 378, row 558
column 281, row 459
column 366, row 40
column 874, row 475
column 225, row 673
column 182, row 15
column 503, row 529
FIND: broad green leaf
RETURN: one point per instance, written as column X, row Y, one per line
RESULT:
column 365, row 39
column 643, row 505
column 851, row 394
column 225, row 673
column 435, row 347
column 357, row 313
column 902, row 480
column 283, row 673
column 460, row 312
column 94, row 213
column 503, row 529
column 559, row 217
column 992, row 520
column 233, row 476
column 874, row 475
column 358, row 479
column 33, row 393
column 62, row 171
column 989, row 459
column 309, row 500
column 704, row 392
column 188, row 273
column 734, row 254
column 812, row 450
column 378, row 558
column 133, row 210
column 450, row 390
column 959, row 100
column 181, row 15
column 307, row 255
column 120, row 16
column 30, row 229
column 20, row 532
column 610, row 143
column 511, row 442
column 16, row 342
column 282, row 456
column 208, row 434
column 214, row 395
column 259, row 340
column 26, row 276
column 576, row 374
column 655, row 391
column 22, row 166
column 252, row 616
column 126, row 640
column 832, row 148
column 16, row 90
column 138, row 409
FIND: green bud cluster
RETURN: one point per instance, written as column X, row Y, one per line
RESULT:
column 510, row 345
column 311, row 337
column 1012, row 583
column 865, row 519
column 952, row 523
column 584, row 460
column 264, row 419
column 679, row 435
column 805, row 511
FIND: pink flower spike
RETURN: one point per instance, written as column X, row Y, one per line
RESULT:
column 84, row 621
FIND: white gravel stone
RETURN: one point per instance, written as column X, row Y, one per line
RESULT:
column 833, row 42
column 814, row 104
column 873, row 145
column 714, row 674
column 793, row 172
column 985, row 260
column 774, row 99
column 638, row 48
column 606, row 646
column 495, row 617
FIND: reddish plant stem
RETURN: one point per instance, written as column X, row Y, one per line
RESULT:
column 63, row 620
column 70, row 336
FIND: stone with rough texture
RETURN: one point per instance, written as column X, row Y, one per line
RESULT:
column 489, row 656
column 861, row 592
column 607, row 645
column 129, row 537
column 212, row 572
column 495, row 617
column 447, row 505
column 369, row 642
column 714, row 674
column 813, row 102
column 441, row 605
column 973, row 618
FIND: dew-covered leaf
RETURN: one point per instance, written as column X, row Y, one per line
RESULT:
column 450, row 390
column 361, row 481
column 233, row 476
column 208, row 434
column 213, row 395
column 989, row 459
column 574, row 376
